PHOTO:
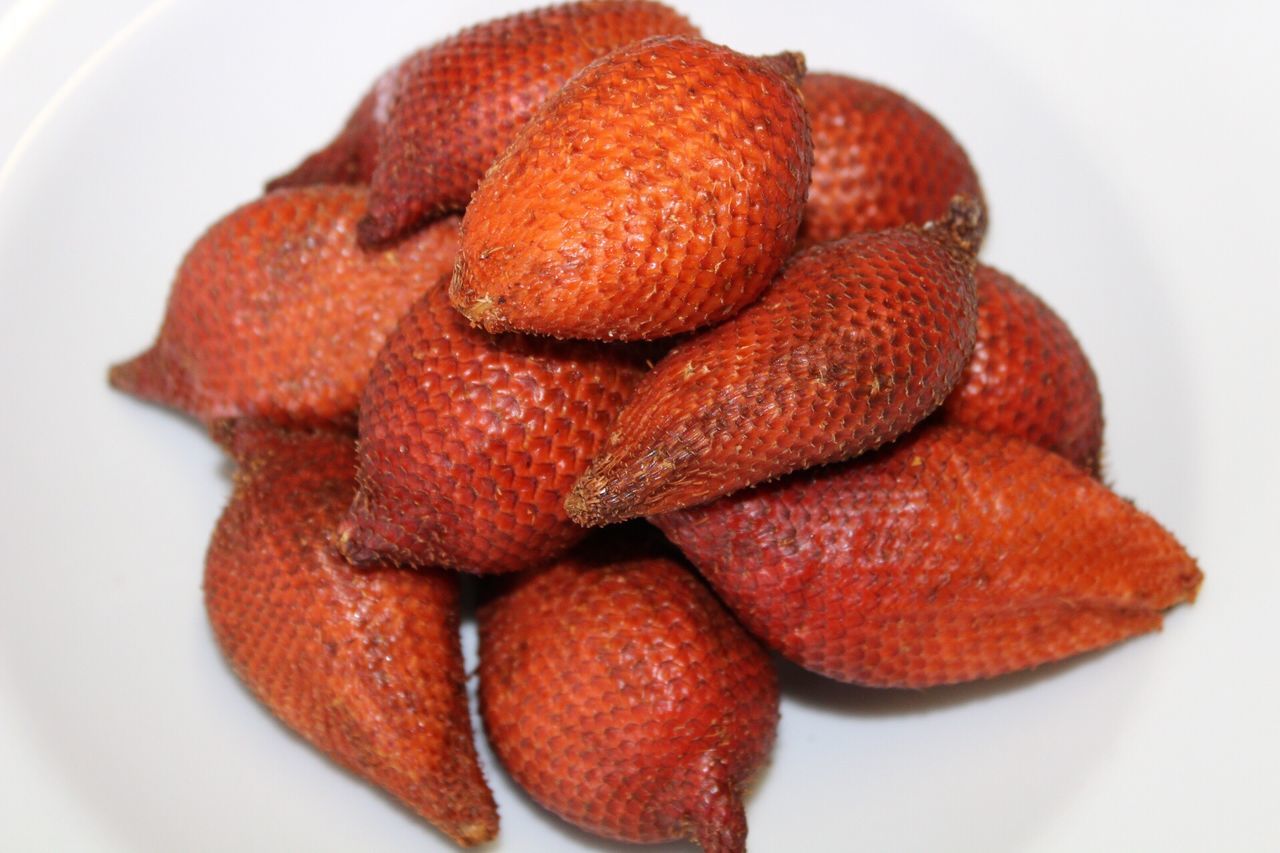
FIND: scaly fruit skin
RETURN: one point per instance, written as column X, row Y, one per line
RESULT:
column 351, row 156
column 457, row 105
column 277, row 314
column 879, row 161
column 1028, row 376
column 855, row 342
column 949, row 556
column 659, row 191
column 366, row 665
column 623, row 697
column 469, row 443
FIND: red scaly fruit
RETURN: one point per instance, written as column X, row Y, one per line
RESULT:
column 879, row 161
column 855, row 342
column 277, row 314
column 1028, row 376
column 469, row 442
column 458, row 104
column 365, row 665
column 622, row 696
column 658, row 192
column 351, row 156
column 951, row 555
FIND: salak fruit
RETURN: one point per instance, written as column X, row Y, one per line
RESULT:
column 366, row 665
column 855, row 342
column 455, row 106
column 951, row 555
column 277, row 314
column 659, row 191
column 469, row 443
column 1028, row 376
column 879, row 161
column 622, row 696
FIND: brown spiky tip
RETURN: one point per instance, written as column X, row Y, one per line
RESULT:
column 481, row 310
column 790, row 64
column 152, row 376
column 719, row 817
column 600, row 497
column 962, row 226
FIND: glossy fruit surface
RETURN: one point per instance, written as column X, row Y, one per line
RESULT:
column 277, row 314
column 458, row 104
column 949, row 556
column 1028, row 376
column 622, row 696
column 879, row 161
column 469, row 442
column 855, row 342
column 365, row 665
column 658, row 192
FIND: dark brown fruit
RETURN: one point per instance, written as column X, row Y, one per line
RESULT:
column 622, row 696
column 856, row 342
column 1028, row 377
column 277, row 314
column 879, row 161
column 458, row 104
column 951, row 555
column 469, row 442
column 659, row 191
column 366, row 665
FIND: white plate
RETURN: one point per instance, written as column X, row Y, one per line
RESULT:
column 1129, row 154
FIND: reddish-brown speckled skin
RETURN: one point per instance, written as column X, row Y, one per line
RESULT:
column 951, row 555
column 623, row 697
column 457, row 105
column 351, row 156
column 879, row 161
column 1028, row 376
column 855, row 342
column 366, row 665
column 469, row 443
column 277, row 314
column 659, row 191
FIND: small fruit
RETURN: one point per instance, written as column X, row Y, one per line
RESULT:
column 1028, row 377
column 855, row 342
column 879, row 161
column 277, row 314
column 659, row 191
column 458, row 104
column 621, row 695
column 951, row 555
column 469, row 442
column 366, row 665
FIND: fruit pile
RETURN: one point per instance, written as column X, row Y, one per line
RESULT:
column 579, row 267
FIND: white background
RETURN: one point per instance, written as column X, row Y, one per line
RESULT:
column 1129, row 152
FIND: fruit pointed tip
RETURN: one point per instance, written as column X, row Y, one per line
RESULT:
column 588, row 504
column 790, row 64
column 145, row 376
column 476, row 832
column 374, row 232
column 720, row 825
column 962, row 225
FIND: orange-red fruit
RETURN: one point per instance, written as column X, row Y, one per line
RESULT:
column 659, row 191
column 366, row 665
column 879, row 161
column 277, row 314
column 1028, row 377
column 469, row 442
column 456, row 105
column 856, row 342
column 351, row 156
column 951, row 555
column 623, row 697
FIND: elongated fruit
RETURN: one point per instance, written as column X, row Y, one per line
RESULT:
column 469, row 443
column 277, row 314
column 622, row 696
column 879, row 161
column 458, row 104
column 856, row 342
column 1028, row 376
column 951, row 555
column 366, row 665
column 659, row 191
